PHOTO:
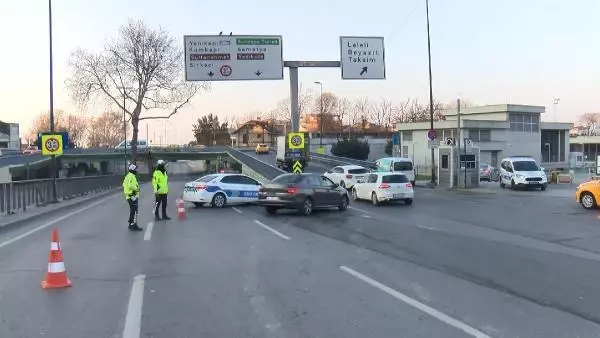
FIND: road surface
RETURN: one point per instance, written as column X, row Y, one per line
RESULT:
column 450, row 265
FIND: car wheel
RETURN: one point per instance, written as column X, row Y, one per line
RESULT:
column 588, row 201
column 219, row 200
column 543, row 187
column 198, row 204
column 271, row 210
column 354, row 195
column 344, row 203
column 374, row 199
column 512, row 185
column 502, row 185
column 307, row 207
column 408, row 201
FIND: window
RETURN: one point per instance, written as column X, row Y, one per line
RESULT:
column 325, row 182
column 338, row 170
column 407, row 136
column 404, row 151
column 372, row 178
column 403, row 166
column 480, row 135
column 525, row 166
column 447, row 133
column 467, row 161
column 231, row 180
column 247, row 180
column 445, row 164
column 312, row 181
column 287, row 179
column 206, row 179
column 394, row 179
column 527, row 123
column 357, row 171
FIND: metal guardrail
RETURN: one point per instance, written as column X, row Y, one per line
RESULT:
column 267, row 170
column 20, row 195
column 337, row 160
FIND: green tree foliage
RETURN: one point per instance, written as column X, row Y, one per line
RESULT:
column 388, row 147
column 208, row 131
column 351, row 148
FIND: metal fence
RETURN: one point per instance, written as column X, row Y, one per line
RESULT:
column 20, row 195
column 337, row 160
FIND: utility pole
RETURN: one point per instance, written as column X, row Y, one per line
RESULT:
column 430, row 93
column 320, row 114
column 52, row 158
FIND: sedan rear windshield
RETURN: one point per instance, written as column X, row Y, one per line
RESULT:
column 262, row 145
column 394, row 179
column 403, row 166
column 287, row 179
column 206, row 179
column 358, row 171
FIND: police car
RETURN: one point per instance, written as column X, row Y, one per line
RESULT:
column 522, row 172
column 221, row 189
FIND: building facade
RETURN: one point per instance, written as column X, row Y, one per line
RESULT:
column 497, row 130
column 9, row 136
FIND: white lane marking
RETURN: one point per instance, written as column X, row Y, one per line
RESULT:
column 415, row 303
column 53, row 222
column 266, row 227
column 148, row 232
column 133, row 319
column 365, row 216
column 236, row 210
column 357, row 209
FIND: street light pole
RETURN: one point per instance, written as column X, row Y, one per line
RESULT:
column 53, row 158
column 555, row 106
column 430, row 93
column 320, row 114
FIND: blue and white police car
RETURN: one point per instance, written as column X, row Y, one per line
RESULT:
column 221, row 189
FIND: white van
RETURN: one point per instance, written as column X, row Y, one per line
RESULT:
column 141, row 144
column 522, row 172
column 397, row 164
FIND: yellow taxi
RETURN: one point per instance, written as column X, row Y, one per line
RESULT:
column 588, row 194
column 262, row 148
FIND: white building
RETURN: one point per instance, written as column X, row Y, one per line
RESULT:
column 498, row 130
column 9, row 136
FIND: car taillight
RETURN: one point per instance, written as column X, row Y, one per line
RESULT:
column 292, row 190
column 348, row 176
column 409, row 185
column 200, row 187
column 384, row 186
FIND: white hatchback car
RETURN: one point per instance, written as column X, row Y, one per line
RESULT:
column 221, row 189
column 382, row 187
column 347, row 175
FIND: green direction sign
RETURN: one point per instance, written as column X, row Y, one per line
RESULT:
column 297, row 167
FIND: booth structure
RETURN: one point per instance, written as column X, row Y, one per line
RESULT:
column 450, row 174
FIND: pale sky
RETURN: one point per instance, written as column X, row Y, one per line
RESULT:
column 489, row 52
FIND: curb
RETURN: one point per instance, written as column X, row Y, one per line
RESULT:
column 58, row 208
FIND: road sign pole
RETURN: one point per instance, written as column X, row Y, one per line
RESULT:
column 294, row 99
column 53, row 158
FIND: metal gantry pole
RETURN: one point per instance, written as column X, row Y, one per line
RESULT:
column 53, row 157
column 430, row 93
column 294, row 99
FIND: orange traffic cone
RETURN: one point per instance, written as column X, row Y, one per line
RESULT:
column 180, row 209
column 56, row 277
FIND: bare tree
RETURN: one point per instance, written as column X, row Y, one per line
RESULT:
column 399, row 112
column 359, row 113
column 106, row 130
column 140, row 71
column 342, row 110
column 305, row 99
column 381, row 114
column 589, row 123
column 75, row 125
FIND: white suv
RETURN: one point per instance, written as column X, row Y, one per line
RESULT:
column 522, row 172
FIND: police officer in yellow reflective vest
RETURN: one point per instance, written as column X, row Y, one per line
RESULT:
column 160, row 182
column 131, row 190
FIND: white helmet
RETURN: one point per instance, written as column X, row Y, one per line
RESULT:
column 132, row 167
column 160, row 162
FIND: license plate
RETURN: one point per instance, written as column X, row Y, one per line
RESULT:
column 398, row 195
column 534, row 182
column 272, row 198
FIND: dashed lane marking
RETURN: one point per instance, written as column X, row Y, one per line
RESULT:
column 266, row 227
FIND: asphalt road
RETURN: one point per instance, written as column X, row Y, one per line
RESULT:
column 450, row 265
